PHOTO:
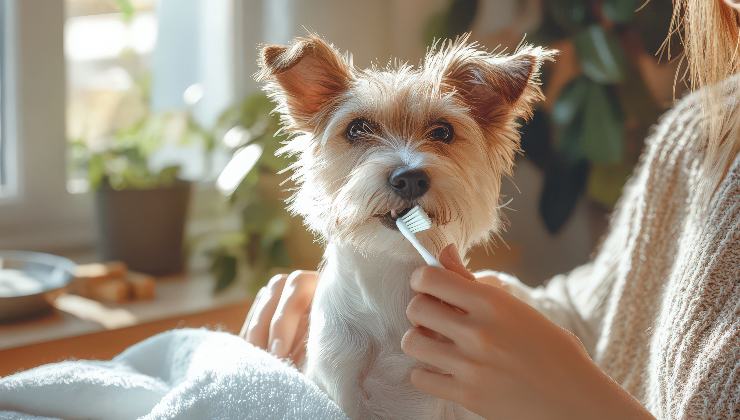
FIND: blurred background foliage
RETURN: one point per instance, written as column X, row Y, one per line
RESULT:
column 123, row 160
column 586, row 138
column 257, row 247
column 586, row 143
column 590, row 137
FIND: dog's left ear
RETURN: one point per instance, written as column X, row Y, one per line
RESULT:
column 305, row 78
column 494, row 87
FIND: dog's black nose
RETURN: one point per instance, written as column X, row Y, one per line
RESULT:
column 409, row 183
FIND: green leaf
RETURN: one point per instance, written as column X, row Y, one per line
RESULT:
column 571, row 101
column 127, row 9
column 274, row 230
column 568, row 113
column 600, row 55
column 255, row 216
column 232, row 240
column 279, row 256
column 605, row 183
column 537, row 139
column 570, row 140
column 95, row 171
column 571, row 15
column 168, row 175
column 619, row 11
column 603, row 127
column 564, row 184
column 593, row 124
column 223, row 268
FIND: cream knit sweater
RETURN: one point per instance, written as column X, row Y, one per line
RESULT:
column 658, row 307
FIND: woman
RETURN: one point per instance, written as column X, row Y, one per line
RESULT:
column 650, row 327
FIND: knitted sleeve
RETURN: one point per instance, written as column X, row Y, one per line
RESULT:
column 576, row 300
column 695, row 359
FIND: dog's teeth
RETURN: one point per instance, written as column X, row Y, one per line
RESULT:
column 394, row 214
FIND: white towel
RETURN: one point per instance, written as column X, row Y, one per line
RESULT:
column 180, row 374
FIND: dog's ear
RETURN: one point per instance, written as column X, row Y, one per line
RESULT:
column 492, row 86
column 305, row 78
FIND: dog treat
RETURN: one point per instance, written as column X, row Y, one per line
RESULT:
column 97, row 271
column 112, row 291
column 112, row 282
column 143, row 286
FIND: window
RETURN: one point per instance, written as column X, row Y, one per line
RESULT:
column 61, row 79
column 8, row 143
column 3, row 147
column 108, row 48
column 146, row 65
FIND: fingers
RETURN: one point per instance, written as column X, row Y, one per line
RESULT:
column 298, row 351
column 293, row 305
column 252, row 309
column 426, row 349
column 263, row 309
column 449, row 257
column 435, row 384
column 490, row 280
column 445, row 285
column 431, row 313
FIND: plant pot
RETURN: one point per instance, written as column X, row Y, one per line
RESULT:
column 144, row 228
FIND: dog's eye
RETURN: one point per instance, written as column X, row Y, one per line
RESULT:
column 442, row 131
column 358, row 128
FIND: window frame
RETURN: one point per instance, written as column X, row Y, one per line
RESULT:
column 7, row 174
column 36, row 210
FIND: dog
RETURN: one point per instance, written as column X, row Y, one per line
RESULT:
column 376, row 141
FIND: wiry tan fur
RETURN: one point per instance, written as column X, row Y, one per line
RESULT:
column 358, row 315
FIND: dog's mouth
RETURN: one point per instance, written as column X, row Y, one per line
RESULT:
column 389, row 219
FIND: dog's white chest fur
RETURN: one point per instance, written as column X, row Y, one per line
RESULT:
column 354, row 344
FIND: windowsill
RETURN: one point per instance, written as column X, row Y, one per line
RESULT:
column 74, row 315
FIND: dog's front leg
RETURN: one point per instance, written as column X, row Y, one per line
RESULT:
column 338, row 361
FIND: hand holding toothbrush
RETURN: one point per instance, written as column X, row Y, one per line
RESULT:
column 499, row 357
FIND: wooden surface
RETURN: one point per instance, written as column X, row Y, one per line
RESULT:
column 75, row 315
column 106, row 344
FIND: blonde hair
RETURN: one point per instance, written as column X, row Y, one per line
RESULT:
column 709, row 31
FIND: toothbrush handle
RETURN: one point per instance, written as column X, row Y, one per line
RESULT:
column 426, row 255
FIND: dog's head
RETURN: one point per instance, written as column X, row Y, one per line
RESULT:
column 369, row 142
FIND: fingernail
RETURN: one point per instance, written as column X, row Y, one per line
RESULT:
column 456, row 256
column 414, row 277
column 276, row 347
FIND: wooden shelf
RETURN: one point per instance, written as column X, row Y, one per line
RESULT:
column 82, row 328
column 106, row 344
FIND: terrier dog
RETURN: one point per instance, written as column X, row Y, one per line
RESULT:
column 368, row 142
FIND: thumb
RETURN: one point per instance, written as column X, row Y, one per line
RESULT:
column 449, row 257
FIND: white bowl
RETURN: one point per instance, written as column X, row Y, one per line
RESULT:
column 26, row 278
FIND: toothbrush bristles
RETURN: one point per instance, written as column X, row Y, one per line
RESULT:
column 416, row 220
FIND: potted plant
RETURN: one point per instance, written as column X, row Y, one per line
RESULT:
column 141, row 209
column 254, row 192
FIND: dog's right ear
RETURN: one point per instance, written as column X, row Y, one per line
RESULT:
column 305, row 78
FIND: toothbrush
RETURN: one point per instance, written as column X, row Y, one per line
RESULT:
column 415, row 221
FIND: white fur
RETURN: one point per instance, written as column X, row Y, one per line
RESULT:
column 358, row 316
column 354, row 345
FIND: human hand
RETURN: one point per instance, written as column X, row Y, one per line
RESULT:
column 498, row 357
column 278, row 318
